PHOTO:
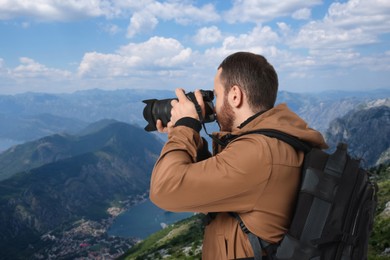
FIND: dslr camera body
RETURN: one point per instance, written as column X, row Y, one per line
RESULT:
column 161, row 109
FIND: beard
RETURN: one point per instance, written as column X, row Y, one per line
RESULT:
column 226, row 116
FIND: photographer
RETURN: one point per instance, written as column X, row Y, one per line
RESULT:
column 253, row 175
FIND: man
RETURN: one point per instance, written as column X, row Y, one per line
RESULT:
column 254, row 175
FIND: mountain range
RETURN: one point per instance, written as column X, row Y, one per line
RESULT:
column 71, row 177
column 29, row 116
column 366, row 131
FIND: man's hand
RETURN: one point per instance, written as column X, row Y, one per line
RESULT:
column 183, row 107
column 161, row 128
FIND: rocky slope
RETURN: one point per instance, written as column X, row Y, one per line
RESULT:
column 366, row 131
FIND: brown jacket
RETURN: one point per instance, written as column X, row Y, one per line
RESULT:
column 255, row 175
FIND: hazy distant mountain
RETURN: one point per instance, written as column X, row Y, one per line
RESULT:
column 29, row 116
column 366, row 131
column 20, row 128
column 101, row 168
column 319, row 109
column 28, row 127
column 89, row 106
column 20, row 115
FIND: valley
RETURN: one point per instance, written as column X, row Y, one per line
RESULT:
column 88, row 238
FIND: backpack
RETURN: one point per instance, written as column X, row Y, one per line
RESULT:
column 334, row 210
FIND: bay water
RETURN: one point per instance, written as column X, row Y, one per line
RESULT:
column 143, row 220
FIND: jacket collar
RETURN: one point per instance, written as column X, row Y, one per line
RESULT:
column 250, row 119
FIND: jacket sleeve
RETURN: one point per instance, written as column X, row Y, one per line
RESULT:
column 230, row 181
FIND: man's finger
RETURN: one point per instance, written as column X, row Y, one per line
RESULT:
column 199, row 98
column 180, row 94
column 173, row 102
column 160, row 127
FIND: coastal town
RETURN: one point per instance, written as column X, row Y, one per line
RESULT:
column 88, row 239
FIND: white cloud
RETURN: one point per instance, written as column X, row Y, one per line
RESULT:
column 265, row 10
column 56, row 10
column 182, row 12
column 141, row 11
column 261, row 39
column 350, row 24
column 332, row 45
column 146, row 16
column 30, row 75
column 157, row 53
column 3, row 70
column 32, row 69
column 338, row 58
column 111, row 29
column 370, row 15
column 96, row 64
column 324, row 35
column 377, row 62
column 302, row 14
column 141, row 22
column 325, row 46
column 207, row 35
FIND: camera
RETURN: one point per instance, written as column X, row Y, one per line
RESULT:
column 161, row 109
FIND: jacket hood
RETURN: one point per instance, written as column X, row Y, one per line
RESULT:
column 281, row 118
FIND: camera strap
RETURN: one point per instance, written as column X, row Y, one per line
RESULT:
column 192, row 97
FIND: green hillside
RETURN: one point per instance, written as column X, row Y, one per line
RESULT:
column 380, row 237
column 182, row 240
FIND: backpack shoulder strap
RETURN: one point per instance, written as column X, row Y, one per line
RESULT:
column 287, row 138
column 258, row 244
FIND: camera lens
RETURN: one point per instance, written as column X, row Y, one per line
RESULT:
column 157, row 109
column 161, row 109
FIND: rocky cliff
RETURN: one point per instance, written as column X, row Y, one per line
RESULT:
column 366, row 131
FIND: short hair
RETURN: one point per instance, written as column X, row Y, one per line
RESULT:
column 254, row 75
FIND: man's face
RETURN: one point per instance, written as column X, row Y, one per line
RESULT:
column 224, row 111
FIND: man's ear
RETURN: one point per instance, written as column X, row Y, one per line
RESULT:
column 236, row 96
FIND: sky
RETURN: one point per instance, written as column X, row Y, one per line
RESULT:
column 58, row 46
